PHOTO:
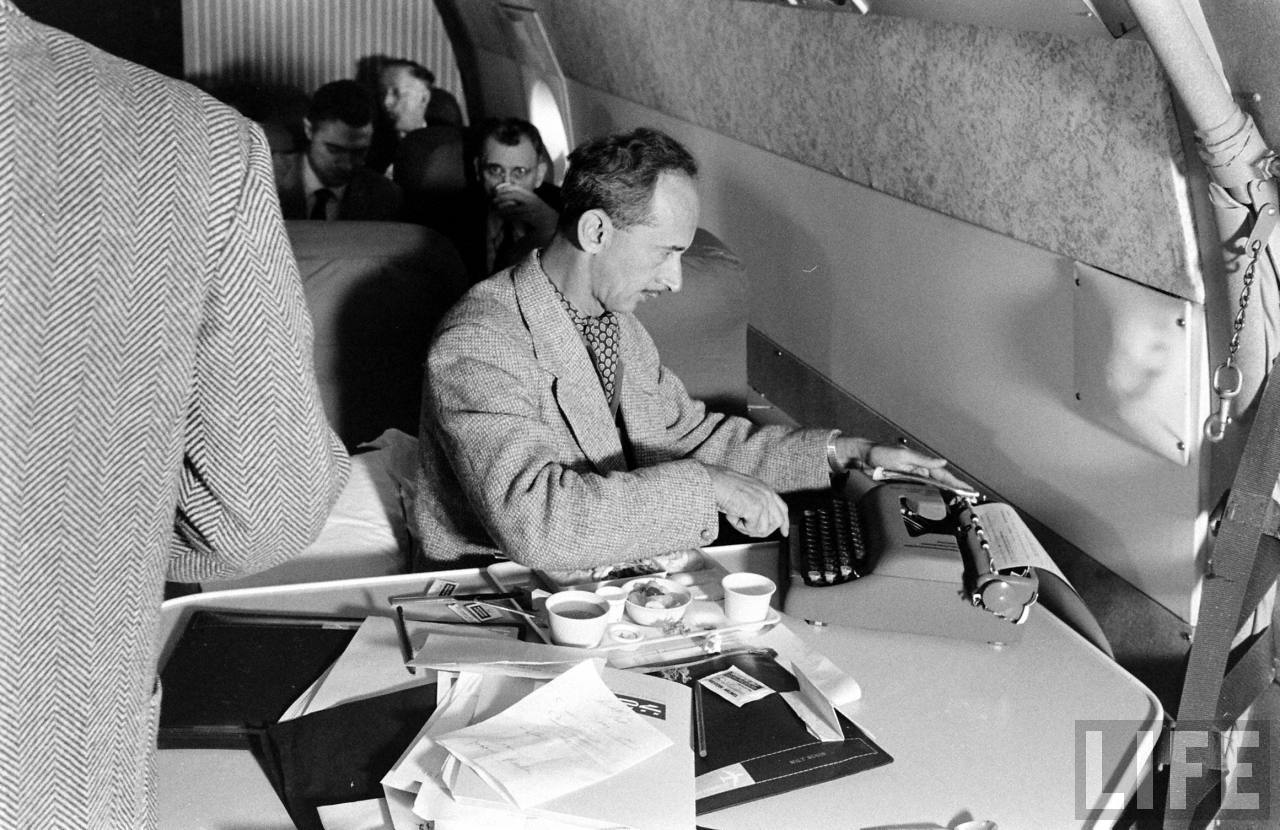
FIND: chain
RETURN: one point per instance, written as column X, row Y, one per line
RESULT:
column 1227, row 377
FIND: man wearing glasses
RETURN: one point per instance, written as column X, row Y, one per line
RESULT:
column 518, row 211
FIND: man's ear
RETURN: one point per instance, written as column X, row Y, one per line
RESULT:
column 307, row 128
column 539, row 175
column 595, row 229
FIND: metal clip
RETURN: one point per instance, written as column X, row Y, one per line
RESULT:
column 1227, row 382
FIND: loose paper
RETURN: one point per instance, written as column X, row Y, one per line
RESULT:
column 569, row 734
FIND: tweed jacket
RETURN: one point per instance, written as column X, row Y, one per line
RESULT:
column 519, row 449
column 158, row 411
column 370, row 197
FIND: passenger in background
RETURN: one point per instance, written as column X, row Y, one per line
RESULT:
column 404, row 91
column 160, row 416
column 511, row 210
column 330, row 181
column 550, row 430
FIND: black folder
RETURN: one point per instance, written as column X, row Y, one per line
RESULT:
column 765, row 737
column 340, row 754
column 232, row 674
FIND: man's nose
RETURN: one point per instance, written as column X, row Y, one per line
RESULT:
column 673, row 277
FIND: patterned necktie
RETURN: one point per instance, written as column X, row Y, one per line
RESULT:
column 320, row 210
column 602, row 338
column 602, row 335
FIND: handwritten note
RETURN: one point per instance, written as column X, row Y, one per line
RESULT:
column 569, row 734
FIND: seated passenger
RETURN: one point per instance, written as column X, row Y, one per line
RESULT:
column 404, row 91
column 329, row 181
column 550, row 430
column 511, row 210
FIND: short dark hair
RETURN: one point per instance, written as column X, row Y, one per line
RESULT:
column 510, row 131
column 617, row 174
column 347, row 101
column 416, row 69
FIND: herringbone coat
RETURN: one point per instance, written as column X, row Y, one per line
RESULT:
column 158, row 412
column 519, row 448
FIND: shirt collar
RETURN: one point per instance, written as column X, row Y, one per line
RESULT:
column 311, row 182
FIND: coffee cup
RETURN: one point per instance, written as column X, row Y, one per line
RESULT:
column 747, row 596
column 616, row 596
column 577, row 618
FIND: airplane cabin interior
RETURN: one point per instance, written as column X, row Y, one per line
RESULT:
column 1012, row 233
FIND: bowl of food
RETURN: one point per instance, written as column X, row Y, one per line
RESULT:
column 655, row 601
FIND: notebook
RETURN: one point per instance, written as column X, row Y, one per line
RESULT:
column 762, row 748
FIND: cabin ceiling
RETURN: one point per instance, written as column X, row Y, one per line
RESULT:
column 1069, row 144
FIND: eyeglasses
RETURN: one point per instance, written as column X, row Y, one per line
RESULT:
column 497, row 171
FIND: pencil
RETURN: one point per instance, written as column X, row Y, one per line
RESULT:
column 699, row 725
column 406, row 650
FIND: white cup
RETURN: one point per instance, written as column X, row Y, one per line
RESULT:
column 616, row 596
column 746, row 597
column 577, row 618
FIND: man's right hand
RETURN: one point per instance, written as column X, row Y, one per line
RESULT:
column 748, row 503
column 514, row 202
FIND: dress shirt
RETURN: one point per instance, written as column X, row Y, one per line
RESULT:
column 311, row 183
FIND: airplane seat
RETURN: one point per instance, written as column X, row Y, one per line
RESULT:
column 375, row 291
column 701, row 332
column 430, row 167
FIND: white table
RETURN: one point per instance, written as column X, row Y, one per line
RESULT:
column 975, row 731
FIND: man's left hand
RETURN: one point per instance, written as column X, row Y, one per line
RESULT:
column 857, row 452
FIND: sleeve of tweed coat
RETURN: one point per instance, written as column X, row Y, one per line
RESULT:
column 261, row 466
column 785, row 458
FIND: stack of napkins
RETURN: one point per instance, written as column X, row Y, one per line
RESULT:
column 592, row 747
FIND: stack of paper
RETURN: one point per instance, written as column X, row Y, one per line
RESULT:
column 593, row 747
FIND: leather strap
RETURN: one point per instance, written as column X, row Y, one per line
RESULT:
column 1244, row 564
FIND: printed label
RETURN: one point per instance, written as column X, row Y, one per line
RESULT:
column 736, row 686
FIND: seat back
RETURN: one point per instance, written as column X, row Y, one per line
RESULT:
column 376, row 291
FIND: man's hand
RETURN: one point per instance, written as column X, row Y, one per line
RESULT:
column 906, row 460
column 748, row 503
column 515, row 203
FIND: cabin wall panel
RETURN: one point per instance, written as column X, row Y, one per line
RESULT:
column 304, row 44
column 1069, row 145
column 961, row 336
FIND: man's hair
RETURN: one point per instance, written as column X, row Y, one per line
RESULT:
column 510, row 131
column 416, row 69
column 347, row 101
column 617, row 174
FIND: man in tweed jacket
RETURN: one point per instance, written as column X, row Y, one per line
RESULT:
column 158, row 411
column 551, row 430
